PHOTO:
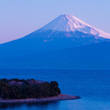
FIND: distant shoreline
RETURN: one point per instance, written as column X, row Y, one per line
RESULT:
column 33, row 100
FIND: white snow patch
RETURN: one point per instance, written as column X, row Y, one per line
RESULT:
column 68, row 23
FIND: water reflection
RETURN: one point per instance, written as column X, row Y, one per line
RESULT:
column 29, row 105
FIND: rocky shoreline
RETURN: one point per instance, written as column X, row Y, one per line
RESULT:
column 33, row 100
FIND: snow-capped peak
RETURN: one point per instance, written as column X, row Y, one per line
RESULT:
column 68, row 23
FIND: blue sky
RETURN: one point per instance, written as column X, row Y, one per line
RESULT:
column 20, row 17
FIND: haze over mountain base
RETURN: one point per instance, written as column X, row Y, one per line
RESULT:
column 87, row 57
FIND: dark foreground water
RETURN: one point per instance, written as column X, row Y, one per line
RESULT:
column 93, row 86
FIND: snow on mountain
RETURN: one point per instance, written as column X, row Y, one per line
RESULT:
column 69, row 23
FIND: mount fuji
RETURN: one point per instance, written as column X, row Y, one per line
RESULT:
column 65, row 42
column 63, row 32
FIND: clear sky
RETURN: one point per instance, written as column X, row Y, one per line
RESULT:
column 20, row 17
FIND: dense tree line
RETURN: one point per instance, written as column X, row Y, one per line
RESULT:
column 23, row 89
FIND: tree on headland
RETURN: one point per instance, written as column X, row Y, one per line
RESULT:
column 23, row 89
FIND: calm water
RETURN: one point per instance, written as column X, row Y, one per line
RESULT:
column 93, row 86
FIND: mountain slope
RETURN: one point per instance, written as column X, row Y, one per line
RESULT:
column 64, row 32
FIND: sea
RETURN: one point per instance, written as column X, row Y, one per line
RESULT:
column 93, row 87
